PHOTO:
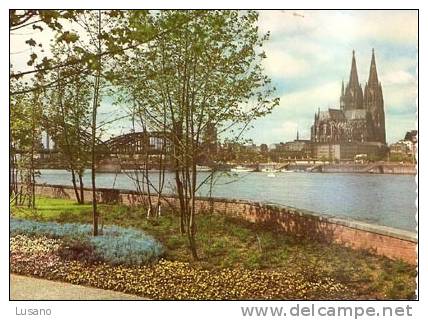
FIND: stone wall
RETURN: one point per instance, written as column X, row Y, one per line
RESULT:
column 390, row 242
column 407, row 169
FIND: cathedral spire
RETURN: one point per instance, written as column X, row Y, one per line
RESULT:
column 297, row 136
column 373, row 80
column 353, row 97
column 373, row 103
column 353, row 77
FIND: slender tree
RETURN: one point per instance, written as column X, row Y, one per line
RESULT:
column 205, row 75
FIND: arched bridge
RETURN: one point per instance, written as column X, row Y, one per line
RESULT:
column 135, row 143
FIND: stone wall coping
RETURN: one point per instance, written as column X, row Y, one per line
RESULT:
column 379, row 229
column 354, row 224
column 347, row 222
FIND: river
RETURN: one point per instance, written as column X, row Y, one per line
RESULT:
column 382, row 199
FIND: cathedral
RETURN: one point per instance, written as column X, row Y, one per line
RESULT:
column 361, row 117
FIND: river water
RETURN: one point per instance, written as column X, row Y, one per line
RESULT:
column 382, row 199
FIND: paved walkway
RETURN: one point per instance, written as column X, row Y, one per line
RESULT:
column 26, row 288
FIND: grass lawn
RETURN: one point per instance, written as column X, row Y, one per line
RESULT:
column 228, row 242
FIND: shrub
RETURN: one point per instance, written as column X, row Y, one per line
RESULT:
column 116, row 245
column 80, row 250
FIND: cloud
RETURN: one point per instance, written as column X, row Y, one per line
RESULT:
column 281, row 64
column 391, row 26
column 397, row 126
column 346, row 26
column 295, row 111
column 325, row 95
column 398, row 77
column 400, row 99
column 287, row 131
column 309, row 53
column 285, row 22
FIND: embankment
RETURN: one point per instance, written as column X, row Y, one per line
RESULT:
column 386, row 241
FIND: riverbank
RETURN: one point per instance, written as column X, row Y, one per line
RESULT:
column 374, row 168
column 239, row 260
column 391, row 242
column 298, row 166
column 380, row 199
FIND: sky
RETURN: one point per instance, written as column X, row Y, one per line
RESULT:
column 308, row 55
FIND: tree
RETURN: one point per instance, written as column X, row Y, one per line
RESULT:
column 67, row 120
column 25, row 127
column 39, row 61
column 206, row 74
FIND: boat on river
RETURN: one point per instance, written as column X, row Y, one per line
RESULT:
column 241, row 169
column 270, row 170
column 203, row 169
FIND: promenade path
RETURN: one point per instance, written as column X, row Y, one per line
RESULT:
column 27, row 288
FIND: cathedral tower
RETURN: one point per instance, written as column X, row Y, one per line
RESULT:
column 373, row 102
column 352, row 97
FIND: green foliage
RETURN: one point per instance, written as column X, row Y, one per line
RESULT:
column 228, row 242
column 398, row 157
column 400, row 290
column 217, row 54
column 68, row 37
column 254, row 260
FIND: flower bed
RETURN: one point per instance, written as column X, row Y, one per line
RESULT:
column 117, row 245
column 38, row 256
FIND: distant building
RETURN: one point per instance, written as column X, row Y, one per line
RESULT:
column 348, row 151
column 209, row 139
column 264, row 148
column 411, row 136
column 402, row 147
column 276, row 146
column 299, row 148
column 358, row 126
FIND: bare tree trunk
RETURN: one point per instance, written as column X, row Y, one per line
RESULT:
column 161, row 178
column 16, row 176
column 179, row 185
column 82, row 193
column 73, row 180
column 68, row 150
column 192, row 223
column 94, row 131
column 11, row 171
column 147, row 181
column 31, row 176
column 13, row 175
column 33, row 188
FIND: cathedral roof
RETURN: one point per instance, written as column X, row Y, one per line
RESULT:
column 332, row 114
column 356, row 114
